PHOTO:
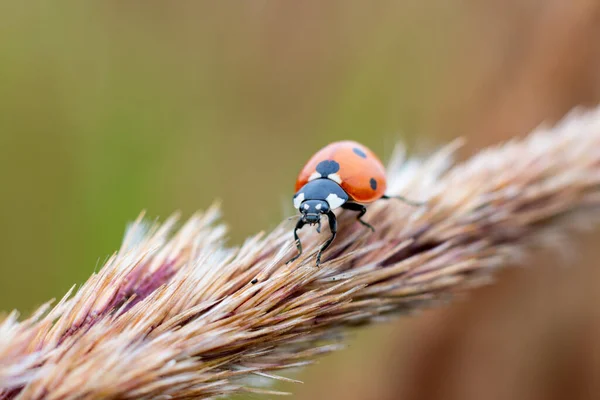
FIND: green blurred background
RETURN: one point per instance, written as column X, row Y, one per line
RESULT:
column 109, row 108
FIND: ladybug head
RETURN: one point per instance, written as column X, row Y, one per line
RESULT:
column 312, row 210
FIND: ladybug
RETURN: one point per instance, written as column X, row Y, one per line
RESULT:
column 343, row 174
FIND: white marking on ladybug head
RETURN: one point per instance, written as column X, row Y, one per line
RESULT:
column 334, row 201
column 298, row 199
column 306, row 206
column 318, row 206
column 314, row 175
column 335, row 177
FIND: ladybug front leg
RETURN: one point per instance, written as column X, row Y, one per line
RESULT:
column 333, row 227
column 299, row 226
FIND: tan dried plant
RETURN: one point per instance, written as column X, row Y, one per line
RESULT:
column 173, row 314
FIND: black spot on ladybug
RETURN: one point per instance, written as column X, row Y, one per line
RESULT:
column 373, row 184
column 328, row 167
column 359, row 152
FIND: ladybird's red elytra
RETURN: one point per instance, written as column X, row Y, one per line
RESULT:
column 352, row 165
column 343, row 174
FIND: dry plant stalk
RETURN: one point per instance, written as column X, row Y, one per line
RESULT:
column 176, row 315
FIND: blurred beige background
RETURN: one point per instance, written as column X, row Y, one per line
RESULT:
column 109, row 108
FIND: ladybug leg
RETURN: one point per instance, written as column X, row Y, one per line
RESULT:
column 404, row 199
column 361, row 211
column 333, row 227
column 299, row 226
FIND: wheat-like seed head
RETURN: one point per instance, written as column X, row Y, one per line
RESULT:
column 173, row 314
